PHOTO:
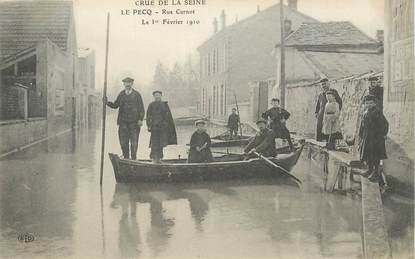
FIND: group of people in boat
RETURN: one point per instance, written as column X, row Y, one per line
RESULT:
column 131, row 113
column 159, row 120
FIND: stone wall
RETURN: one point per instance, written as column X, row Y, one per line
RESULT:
column 16, row 134
column 301, row 103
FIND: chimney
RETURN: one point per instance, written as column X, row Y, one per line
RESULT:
column 236, row 19
column 223, row 20
column 258, row 8
column 287, row 27
column 292, row 4
column 380, row 36
column 215, row 25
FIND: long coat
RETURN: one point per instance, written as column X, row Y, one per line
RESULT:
column 321, row 105
column 160, row 120
column 131, row 107
column 199, row 139
column 372, row 132
column 263, row 142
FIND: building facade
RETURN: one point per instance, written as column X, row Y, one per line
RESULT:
column 337, row 51
column 38, row 81
column 399, row 92
column 238, row 54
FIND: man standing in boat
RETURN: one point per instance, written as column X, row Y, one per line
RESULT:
column 161, row 126
column 233, row 123
column 130, row 118
column 278, row 117
column 263, row 142
column 321, row 105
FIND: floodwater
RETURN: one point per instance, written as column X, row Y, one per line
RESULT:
column 52, row 192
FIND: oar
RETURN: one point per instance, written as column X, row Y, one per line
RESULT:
column 277, row 166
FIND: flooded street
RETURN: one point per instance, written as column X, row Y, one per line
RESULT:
column 52, row 192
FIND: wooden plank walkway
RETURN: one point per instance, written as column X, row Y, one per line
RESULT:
column 375, row 237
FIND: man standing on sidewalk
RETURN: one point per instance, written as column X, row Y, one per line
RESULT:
column 130, row 118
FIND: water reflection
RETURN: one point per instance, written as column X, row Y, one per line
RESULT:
column 52, row 190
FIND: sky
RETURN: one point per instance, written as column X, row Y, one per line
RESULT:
column 135, row 49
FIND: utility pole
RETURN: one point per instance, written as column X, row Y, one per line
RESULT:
column 282, row 61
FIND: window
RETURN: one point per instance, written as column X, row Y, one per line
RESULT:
column 59, row 84
column 222, row 99
column 214, row 100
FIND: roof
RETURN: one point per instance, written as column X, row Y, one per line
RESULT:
column 328, row 33
column 340, row 65
column 24, row 23
column 272, row 10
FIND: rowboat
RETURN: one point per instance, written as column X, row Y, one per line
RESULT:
column 188, row 120
column 225, row 167
column 227, row 141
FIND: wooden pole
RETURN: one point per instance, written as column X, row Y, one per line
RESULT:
column 282, row 61
column 104, row 105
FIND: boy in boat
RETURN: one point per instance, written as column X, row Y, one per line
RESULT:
column 130, row 118
column 331, row 124
column 263, row 142
column 200, row 145
column 233, row 123
column 372, row 133
column 278, row 117
column 161, row 126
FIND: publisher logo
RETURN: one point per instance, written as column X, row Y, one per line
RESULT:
column 26, row 238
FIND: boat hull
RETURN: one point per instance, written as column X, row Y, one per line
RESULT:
column 180, row 171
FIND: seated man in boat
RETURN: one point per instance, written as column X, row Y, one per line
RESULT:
column 200, row 145
column 278, row 116
column 263, row 142
column 233, row 123
column 161, row 126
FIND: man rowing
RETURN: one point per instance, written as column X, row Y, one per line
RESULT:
column 263, row 142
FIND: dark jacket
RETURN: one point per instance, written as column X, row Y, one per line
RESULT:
column 320, row 106
column 276, row 115
column 199, row 139
column 233, row 121
column 159, row 119
column 372, row 132
column 263, row 142
column 131, row 107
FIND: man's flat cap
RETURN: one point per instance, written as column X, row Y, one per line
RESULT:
column 275, row 100
column 128, row 80
column 261, row 121
column 324, row 80
column 373, row 78
column 198, row 122
column 157, row 92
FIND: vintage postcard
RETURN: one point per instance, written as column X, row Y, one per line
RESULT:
column 207, row 129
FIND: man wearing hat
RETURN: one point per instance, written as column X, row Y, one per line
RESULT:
column 376, row 90
column 200, row 145
column 263, row 142
column 278, row 116
column 161, row 126
column 372, row 133
column 321, row 104
column 130, row 118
